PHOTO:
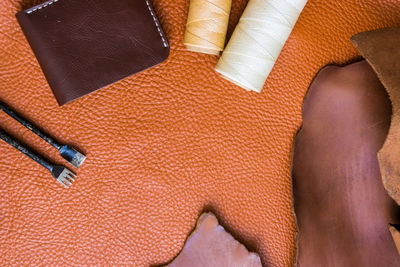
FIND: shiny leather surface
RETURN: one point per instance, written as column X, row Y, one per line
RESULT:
column 165, row 145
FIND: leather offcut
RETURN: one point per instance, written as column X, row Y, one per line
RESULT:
column 342, row 209
column 210, row 245
column 164, row 145
column 380, row 49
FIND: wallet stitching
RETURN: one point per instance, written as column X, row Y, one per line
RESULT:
column 164, row 41
column 41, row 6
column 156, row 22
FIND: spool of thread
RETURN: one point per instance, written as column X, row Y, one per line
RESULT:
column 258, row 40
column 207, row 25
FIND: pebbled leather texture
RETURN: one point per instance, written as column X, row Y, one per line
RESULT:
column 164, row 145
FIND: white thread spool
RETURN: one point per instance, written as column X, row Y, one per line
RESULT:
column 258, row 40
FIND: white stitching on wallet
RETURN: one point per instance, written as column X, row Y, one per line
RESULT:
column 157, row 25
column 164, row 41
column 29, row 11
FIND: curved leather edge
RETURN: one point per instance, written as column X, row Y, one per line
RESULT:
column 381, row 50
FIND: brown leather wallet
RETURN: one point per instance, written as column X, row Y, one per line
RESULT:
column 84, row 45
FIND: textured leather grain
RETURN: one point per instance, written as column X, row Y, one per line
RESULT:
column 165, row 145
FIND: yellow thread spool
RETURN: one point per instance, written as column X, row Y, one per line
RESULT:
column 207, row 25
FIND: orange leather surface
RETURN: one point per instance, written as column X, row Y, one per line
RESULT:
column 165, row 145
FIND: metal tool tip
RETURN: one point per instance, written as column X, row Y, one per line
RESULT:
column 72, row 156
column 78, row 159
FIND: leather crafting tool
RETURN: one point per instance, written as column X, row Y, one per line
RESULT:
column 69, row 153
column 62, row 174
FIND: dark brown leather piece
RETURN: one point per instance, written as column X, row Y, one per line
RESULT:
column 381, row 49
column 210, row 245
column 341, row 206
column 84, row 45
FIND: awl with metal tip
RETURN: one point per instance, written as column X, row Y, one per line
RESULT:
column 69, row 153
column 62, row 174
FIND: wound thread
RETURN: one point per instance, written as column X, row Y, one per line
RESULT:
column 258, row 40
column 207, row 25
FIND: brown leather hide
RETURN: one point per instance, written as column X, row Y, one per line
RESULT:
column 210, row 245
column 342, row 208
column 381, row 49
